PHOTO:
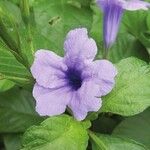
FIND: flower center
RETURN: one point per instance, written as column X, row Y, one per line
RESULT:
column 74, row 78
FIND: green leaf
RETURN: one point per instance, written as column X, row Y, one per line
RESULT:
column 80, row 3
column 17, row 111
column 148, row 21
column 31, row 41
column 12, row 141
column 136, row 128
column 105, row 142
column 131, row 94
column 10, row 19
column 57, row 133
column 13, row 70
column 126, row 46
column 6, row 85
column 12, row 10
column 54, row 18
column 135, row 21
column 145, row 40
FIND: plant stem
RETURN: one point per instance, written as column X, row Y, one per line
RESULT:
column 96, row 140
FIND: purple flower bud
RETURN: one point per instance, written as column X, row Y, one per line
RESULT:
column 113, row 11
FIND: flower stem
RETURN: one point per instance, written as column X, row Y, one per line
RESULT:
column 106, row 50
column 97, row 141
column 27, row 18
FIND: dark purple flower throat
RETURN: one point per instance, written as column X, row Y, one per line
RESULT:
column 74, row 78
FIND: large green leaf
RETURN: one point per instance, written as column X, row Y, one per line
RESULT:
column 136, row 127
column 17, row 111
column 131, row 94
column 57, row 133
column 55, row 18
column 105, row 142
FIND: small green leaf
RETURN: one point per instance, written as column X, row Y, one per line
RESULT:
column 17, row 111
column 6, row 85
column 57, row 133
column 136, row 128
column 131, row 94
column 105, row 142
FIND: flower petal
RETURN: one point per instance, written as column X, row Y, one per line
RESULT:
column 51, row 102
column 85, row 100
column 104, row 74
column 78, row 46
column 48, row 69
column 104, row 3
column 136, row 5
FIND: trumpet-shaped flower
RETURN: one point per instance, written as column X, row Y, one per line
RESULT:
column 75, row 81
column 113, row 11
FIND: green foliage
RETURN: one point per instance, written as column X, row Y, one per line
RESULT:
column 12, row 141
column 135, row 22
column 136, row 127
column 8, row 25
column 105, row 142
column 17, row 111
column 131, row 94
column 59, row 16
column 126, row 46
column 61, row 133
column 12, row 69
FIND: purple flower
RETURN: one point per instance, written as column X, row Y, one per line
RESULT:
column 113, row 11
column 75, row 81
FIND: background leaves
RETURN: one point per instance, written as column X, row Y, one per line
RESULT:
column 60, row 17
column 26, row 26
column 17, row 111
